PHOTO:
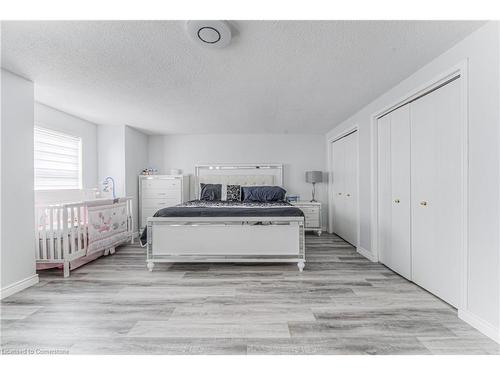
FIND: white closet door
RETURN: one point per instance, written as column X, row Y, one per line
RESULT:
column 338, row 186
column 384, row 191
column 351, row 188
column 394, row 191
column 400, row 144
column 436, row 191
column 345, row 187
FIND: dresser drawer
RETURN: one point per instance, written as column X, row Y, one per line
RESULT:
column 313, row 211
column 149, row 212
column 159, row 202
column 311, row 223
column 161, row 184
column 161, row 194
column 311, row 216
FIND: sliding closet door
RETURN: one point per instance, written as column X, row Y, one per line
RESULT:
column 400, row 181
column 345, row 187
column 351, row 188
column 436, row 192
column 384, row 191
column 339, row 208
column 394, row 191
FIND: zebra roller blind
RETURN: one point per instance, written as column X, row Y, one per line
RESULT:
column 57, row 160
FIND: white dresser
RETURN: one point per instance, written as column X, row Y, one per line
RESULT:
column 160, row 191
column 312, row 213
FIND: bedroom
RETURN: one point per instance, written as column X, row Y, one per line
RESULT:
column 243, row 187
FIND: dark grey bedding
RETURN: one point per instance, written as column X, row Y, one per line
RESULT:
column 199, row 208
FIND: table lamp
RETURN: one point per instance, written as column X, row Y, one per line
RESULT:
column 314, row 177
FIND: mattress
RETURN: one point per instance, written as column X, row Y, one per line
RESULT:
column 199, row 208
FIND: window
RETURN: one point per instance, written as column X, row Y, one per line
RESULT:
column 57, row 160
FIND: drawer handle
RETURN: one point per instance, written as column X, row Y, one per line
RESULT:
column 348, row 194
column 339, row 193
column 423, row 203
column 396, row 201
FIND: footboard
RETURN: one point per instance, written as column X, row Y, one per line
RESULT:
column 229, row 239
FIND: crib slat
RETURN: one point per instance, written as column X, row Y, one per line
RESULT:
column 44, row 234
column 65, row 232
column 51, row 234
column 61, row 233
column 72, row 249
column 79, row 228
column 130, row 214
column 37, row 233
column 57, row 232
column 85, row 229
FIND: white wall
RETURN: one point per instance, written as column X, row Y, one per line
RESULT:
column 17, row 197
column 122, row 154
column 54, row 119
column 298, row 152
column 481, row 50
column 111, row 156
column 136, row 159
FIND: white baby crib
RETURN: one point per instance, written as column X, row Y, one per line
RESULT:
column 69, row 235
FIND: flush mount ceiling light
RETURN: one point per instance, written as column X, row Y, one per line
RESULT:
column 214, row 34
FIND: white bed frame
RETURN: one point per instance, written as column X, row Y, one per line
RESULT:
column 228, row 239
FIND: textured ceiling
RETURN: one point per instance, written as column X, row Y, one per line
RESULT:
column 275, row 76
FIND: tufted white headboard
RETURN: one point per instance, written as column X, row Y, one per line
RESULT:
column 238, row 174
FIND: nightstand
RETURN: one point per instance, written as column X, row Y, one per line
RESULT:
column 312, row 213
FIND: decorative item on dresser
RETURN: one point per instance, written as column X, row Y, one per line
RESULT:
column 160, row 191
column 312, row 213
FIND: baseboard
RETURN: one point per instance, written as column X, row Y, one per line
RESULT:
column 480, row 324
column 367, row 254
column 18, row 286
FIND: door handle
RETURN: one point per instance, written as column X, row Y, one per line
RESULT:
column 348, row 194
column 423, row 203
column 339, row 193
column 396, row 201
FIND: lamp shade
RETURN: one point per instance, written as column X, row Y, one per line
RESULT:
column 314, row 176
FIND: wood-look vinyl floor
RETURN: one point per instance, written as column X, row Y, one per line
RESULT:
column 341, row 304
